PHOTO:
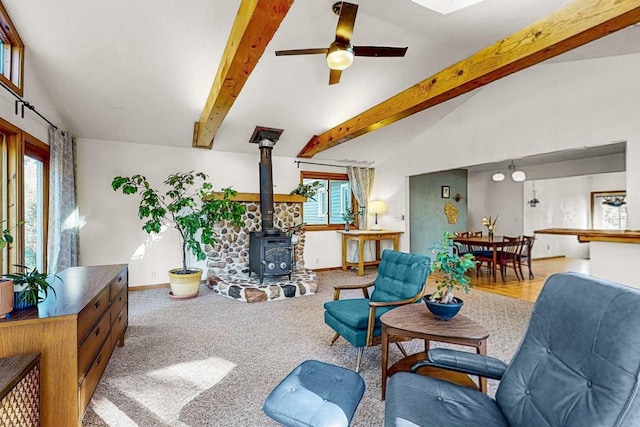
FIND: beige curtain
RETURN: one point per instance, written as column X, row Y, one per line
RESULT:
column 63, row 243
column 361, row 180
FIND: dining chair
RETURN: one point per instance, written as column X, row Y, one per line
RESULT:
column 525, row 254
column 462, row 248
column 508, row 256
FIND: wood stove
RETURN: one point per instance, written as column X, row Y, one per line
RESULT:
column 270, row 250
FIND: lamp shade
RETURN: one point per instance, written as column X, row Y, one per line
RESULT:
column 340, row 56
column 498, row 176
column 518, row 176
column 377, row 207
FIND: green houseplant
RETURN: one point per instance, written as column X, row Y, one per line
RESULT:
column 307, row 190
column 190, row 206
column 30, row 286
column 348, row 216
column 451, row 268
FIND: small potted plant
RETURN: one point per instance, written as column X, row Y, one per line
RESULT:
column 294, row 231
column 307, row 190
column 6, row 284
column 193, row 212
column 451, row 268
column 348, row 216
column 30, row 286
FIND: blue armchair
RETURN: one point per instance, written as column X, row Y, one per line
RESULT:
column 401, row 280
column 577, row 365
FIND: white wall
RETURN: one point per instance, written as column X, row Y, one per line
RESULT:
column 565, row 203
column 112, row 231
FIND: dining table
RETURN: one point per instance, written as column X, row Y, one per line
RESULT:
column 493, row 244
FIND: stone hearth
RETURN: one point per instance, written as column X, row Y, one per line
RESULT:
column 249, row 289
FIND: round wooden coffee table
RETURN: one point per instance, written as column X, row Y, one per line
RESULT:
column 416, row 321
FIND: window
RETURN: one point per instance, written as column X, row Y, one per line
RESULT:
column 609, row 210
column 11, row 54
column 334, row 197
column 35, row 167
column 24, row 194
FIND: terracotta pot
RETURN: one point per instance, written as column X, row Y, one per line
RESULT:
column 6, row 297
column 185, row 285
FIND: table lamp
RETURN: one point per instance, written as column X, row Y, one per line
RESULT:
column 377, row 207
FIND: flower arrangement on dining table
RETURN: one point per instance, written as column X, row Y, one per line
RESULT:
column 490, row 224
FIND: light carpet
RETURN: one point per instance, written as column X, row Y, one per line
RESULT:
column 211, row 361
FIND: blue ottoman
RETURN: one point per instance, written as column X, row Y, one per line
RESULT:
column 315, row 394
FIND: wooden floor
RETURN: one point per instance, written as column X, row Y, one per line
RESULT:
column 528, row 290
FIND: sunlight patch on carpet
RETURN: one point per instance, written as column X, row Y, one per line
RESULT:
column 110, row 413
column 166, row 391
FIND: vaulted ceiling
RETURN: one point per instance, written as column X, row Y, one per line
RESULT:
column 142, row 71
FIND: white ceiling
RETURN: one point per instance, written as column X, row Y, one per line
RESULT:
column 140, row 71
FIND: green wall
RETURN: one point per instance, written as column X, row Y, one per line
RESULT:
column 427, row 217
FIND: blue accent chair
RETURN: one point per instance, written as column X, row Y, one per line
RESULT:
column 401, row 280
column 577, row 365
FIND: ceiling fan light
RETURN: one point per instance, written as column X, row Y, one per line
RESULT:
column 339, row 56
column 518, row 176
column 497, row 177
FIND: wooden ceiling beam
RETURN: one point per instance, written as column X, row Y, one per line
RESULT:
column 574, row 25
column 253, row 28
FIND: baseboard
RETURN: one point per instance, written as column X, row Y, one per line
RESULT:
column 147, row 287
column 549, row 257
column 156, row 286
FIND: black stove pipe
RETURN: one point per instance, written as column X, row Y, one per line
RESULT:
column 266, row 187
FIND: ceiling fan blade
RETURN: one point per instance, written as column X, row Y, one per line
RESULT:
column 379, row 51
column 312, row 51
column 334, row 76
column 347, row 19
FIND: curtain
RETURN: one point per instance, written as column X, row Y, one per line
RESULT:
column 361, row 185
column 63, row 239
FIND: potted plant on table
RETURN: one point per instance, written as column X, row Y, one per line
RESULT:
column 6, row 284
column 348, row 216
column 30, row 286
column 451, row 268
column 189, row 206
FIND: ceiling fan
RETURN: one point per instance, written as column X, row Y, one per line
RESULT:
column 341, row 52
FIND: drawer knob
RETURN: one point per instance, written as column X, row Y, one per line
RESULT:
column 120, row 279
column 96, row 305
column 97, row 331
column 98, row 360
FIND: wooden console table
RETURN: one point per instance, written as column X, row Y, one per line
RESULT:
column 362, row 236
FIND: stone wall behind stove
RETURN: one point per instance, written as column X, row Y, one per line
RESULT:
column 231, row 254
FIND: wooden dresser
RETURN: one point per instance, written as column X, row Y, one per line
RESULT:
column 75, row 334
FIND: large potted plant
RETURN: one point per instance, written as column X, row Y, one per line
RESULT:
column 190, row 206
column 451, row 269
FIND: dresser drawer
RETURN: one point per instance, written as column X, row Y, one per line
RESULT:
column 91, row 380
column 117, row 304
column 90, row 346
column 118, row 284
column 119, row 326
column 90, row 314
